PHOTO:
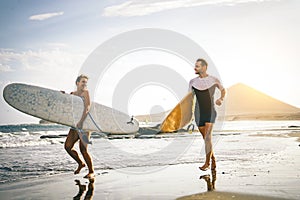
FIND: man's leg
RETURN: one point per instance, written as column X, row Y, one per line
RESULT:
column 202, row 131
column 206, row 132
column 69, row 144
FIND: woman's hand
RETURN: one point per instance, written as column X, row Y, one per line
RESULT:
column 79, row 124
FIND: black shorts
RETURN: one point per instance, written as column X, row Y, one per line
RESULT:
column 204, row 117
column 205, row 109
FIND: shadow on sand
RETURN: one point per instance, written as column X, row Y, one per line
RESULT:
column 82, row 188
column 211, row 183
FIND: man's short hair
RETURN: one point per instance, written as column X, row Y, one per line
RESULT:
column 80, row 77
column 203, row 62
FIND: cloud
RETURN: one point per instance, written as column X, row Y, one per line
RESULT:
column 58, row 45
column 42, row 60
column 5, row 68
column 142, row 8
column 53, row 68
column 45, row 16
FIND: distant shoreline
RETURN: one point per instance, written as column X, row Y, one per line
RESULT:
column 263, row 117
column 240, row 117
column 231, row 117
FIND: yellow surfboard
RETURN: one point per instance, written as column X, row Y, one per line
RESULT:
column 180, row 116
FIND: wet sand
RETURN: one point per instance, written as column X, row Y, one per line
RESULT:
column 227, row 196
column 247, row 168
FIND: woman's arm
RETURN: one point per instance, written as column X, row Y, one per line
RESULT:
column 87, row 107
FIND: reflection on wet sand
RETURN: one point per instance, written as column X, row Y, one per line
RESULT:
column 210, row 182
column 82, row 188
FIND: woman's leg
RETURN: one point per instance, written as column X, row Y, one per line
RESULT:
column 87, row 158
column 69, row 144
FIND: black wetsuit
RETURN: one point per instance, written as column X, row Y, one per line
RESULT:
column 204, row 89
column 205, row 109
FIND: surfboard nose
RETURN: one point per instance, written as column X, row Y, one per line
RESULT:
column 10, row 94
column 7, row 91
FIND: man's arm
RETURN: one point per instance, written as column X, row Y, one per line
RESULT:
column 220, row 100
column 223, row 93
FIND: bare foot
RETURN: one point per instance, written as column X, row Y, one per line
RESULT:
column 89, row 176
column 80, row 166
column 204, row 167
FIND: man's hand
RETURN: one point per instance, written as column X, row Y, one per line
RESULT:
column 219, row 102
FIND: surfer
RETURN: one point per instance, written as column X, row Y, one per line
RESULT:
column 204, row 87
column 73, row 136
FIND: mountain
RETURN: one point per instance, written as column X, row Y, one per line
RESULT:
column 242, row 99
column 245, row 103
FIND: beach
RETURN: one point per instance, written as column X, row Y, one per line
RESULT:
column 255, row 160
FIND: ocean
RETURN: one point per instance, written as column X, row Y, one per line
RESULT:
column 33, row 150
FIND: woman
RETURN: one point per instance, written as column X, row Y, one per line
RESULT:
column 73, row 137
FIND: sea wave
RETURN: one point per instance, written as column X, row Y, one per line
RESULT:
column 23, row 135
column 25, row 154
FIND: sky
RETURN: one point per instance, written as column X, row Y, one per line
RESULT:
column 45, row 43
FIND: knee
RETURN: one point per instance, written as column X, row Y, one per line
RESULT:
column 68, row 147
column 207, row 138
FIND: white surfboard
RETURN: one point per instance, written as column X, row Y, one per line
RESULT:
column 66, row 109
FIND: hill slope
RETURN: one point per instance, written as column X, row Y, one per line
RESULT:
column 242, row 99
column 246, row 103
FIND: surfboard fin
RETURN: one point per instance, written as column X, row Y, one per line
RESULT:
column 131, row 120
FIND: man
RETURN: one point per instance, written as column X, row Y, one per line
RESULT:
column 204, row 88
column 73, row 137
